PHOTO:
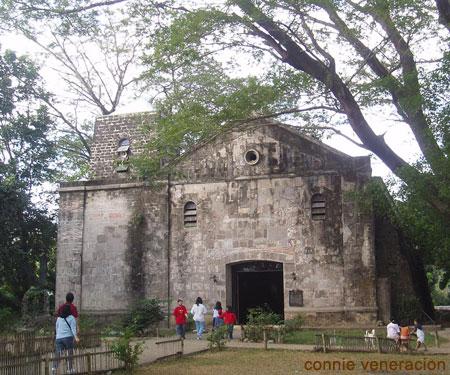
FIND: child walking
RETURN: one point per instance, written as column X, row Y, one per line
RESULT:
column 229, row 318
column 418, row 330
column 180, row 313
column 217, row 315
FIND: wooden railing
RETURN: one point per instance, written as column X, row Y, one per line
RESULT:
column 28, row 344
column 26, row 354
column 93, row 361
column 328, row 343
column 168, row 348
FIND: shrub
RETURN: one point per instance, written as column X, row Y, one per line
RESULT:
column 36, row 301
column 257, row 318
column 8, row 299
column 190, row 324
column 294, row 324
column 143, row 315
column 124, row 351
column 87, row 323
column 260, row 316
column 216, row 339
column 6, row 318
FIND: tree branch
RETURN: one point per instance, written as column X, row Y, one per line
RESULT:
column 62, row 12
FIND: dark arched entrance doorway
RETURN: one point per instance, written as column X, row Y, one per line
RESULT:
column 257, row 284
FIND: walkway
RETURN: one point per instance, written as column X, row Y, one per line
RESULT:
column 152, row 351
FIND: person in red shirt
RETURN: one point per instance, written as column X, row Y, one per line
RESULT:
column 69, row 301
column 229, row 318
column 180, row 313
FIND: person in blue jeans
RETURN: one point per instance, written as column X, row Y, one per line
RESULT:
column 66, row 336
column 198, row 311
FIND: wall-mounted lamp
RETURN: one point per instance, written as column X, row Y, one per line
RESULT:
column 214, row 278
column 294, row 276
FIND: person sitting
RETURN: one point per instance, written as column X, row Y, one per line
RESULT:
column 393, row 332
column 404, row 337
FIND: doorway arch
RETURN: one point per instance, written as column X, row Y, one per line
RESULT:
column 257, row 284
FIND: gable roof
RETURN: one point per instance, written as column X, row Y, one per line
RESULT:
column 256, row 123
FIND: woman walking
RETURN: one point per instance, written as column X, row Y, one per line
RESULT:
column 217, row 315
column 198, row 311
column 66, row 335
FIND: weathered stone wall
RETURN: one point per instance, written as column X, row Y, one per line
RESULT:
column 281, row 149
column 70, row 244
column 124, row 252
column 109, row 130
column 262, row 212
column 118, row 240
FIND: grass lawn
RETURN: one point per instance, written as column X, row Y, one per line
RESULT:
column 258, row 361
column 308, row 336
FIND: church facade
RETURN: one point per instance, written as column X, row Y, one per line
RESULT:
column 257, row 216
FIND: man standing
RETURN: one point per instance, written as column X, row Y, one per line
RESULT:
column 180, row 313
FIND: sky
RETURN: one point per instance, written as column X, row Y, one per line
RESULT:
column 396, row 134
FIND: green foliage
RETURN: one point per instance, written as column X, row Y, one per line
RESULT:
column 257, row 318
column 127, row 352
column 440, row 286
column 144, row 314
column 35, row 301
column 190, row 324
column 27, row 230
column 217, row 338
column 204, row 90
column 294, row 324
column 7, row 319
column 261, row 316
column 8, row 299
column 86, row 323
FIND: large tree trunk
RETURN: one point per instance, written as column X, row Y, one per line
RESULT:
column 444, row 12
column 418, row 274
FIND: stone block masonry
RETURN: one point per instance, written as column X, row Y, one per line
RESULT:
column 263, row 198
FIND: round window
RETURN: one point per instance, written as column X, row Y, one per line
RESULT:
column 251, row 157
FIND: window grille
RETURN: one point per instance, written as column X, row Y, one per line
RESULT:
column 318, row 207
column 190, row 215
column 123, row 153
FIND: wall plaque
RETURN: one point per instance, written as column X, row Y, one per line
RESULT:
column 296, row 298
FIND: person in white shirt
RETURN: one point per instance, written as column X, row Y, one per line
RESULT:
column 418, row 329
column 198, row 311
column 393, row 331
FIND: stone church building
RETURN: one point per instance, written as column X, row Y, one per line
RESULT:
column 257, row 216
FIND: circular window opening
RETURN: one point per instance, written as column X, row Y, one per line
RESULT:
column 251, row 157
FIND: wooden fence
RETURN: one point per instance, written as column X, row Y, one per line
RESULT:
column 28, row 354
column 328, row 343
column 169, row 348
column 28, row 343
column 81, row 362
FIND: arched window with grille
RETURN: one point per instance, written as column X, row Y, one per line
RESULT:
column 318, row 207
column 190, row 215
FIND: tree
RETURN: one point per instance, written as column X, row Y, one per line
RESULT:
column 296, row 41
column 27, row 231
column 327, row 63
column 93, row 56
